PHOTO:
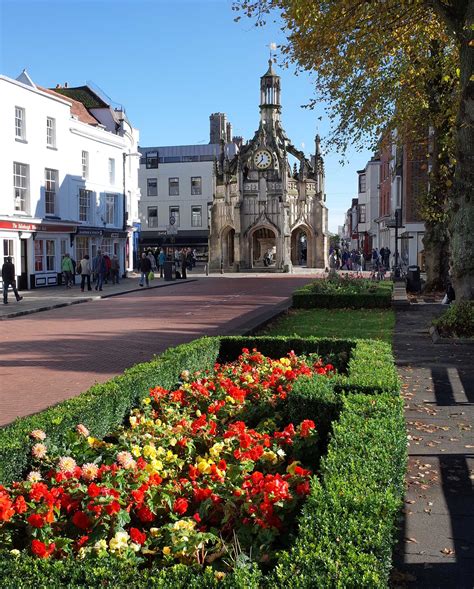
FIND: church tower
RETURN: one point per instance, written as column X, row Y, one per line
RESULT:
column 266, row 216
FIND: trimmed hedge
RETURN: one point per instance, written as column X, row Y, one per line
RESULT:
column 307, row 298
column 348, row 523
column 103, row 407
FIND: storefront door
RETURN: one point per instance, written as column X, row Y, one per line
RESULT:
column 23, row 279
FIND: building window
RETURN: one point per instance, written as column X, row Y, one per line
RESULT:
column 110, row 207
column 50, row 255
column 50, row 183
column 50, row 132
column 196, row 216
column 196, row 185
column 85, row 164
column 174, row 212
column 362, row 186
column 173, row 186
column 20, row 186
column 151, row 160
column 152, row 217
column 361, row 213
column 111, row 170
column 152, row 187
column 107, row 246
column 8, row 250
column 20, row 129
column 84, row 204
column 82, row 247
column 39, row 251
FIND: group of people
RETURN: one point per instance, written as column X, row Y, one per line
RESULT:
column 99, row 271
column 381, row 258
column 150, row 262
column 346, row 259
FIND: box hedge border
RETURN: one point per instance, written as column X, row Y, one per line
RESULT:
column 304, row 298
column 348, row 524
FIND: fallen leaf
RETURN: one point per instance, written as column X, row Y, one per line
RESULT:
column 414, row 540
column 410, row 501
column 447, row 551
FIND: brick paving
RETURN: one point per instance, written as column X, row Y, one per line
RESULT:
column 56, row 354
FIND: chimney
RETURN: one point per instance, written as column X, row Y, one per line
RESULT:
column 65, row 84
column 58, row 86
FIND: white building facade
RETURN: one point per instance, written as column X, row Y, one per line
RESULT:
column 68, row 182
column 177, row 185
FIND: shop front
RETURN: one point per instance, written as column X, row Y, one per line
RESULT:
column 37, row 249
column 88, row 240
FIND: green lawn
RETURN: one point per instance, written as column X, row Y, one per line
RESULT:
column 343, row 323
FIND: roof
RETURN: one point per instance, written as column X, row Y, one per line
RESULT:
column 208, row 149
column 77, row 108
column 83, row 94
column 270, row 71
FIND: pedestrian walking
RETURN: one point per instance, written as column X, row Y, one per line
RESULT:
column 115, row 269
column 85, row 272
column 145, row 269
column 152, row 259
column 184, row 262
column 161, row 261
column 99, row 269
column 9, row 279
column 108, row 264
column 68, row 270
column 386, row 259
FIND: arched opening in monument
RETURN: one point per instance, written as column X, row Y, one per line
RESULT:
column 227, row 241
column 299, row 247
column 263, row 248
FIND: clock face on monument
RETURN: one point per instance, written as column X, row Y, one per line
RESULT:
column 262, row 159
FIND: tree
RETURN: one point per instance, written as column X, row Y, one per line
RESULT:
column 372, row 60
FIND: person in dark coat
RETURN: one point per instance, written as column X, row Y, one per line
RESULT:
column 9, row 279
column 145, row 268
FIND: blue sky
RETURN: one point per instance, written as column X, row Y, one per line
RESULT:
column 171, row 63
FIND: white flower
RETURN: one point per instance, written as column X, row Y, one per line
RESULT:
column 100, row 545
column 119, row 541
column 66, row 464
column 15, row 552
column 34, row 476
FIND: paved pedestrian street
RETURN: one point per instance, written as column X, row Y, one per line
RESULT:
column 53, row 355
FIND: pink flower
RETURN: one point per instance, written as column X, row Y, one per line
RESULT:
column 38, row 434
column 125, row 459
column 82, row 430
column 90, row 471
column 39, row 450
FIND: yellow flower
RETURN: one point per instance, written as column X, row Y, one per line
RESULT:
column 133, row 421
column 216, row 450
column 100, row 545
column 230, row 400
column 204, row 467
column 119, row 541
column 166, row 550
column 146, row 401
column 219, row 575
column 173, row 442
column 270, row 456
column 136, row 451
column 291, row 467
column 149, row 451
column 198, row 413
column 154, row 532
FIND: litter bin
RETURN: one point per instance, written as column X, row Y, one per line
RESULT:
column 169, row 273
column 413, row 279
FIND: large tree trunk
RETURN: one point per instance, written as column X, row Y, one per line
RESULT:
column 436, row 244
column 462, row 218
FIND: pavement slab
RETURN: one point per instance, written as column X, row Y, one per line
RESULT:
column 54, row 355
column 436, row 547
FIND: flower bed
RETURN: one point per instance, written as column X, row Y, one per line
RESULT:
column 196, row 474
column 347, row 527
column 344, row 291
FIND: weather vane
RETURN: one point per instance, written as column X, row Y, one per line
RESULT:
column 272, row 47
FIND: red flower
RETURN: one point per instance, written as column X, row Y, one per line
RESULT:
column 306, row 426
column 144, row 514
column 197, row 517
column 303, row 488
column 180, row 506
column 93, row 490
column 20, row 505
column 41, row 550
column 80, row 520
column 6, row 508
column 36, row 520
column 137, row 536
column 113, row 507
column 82, row 540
